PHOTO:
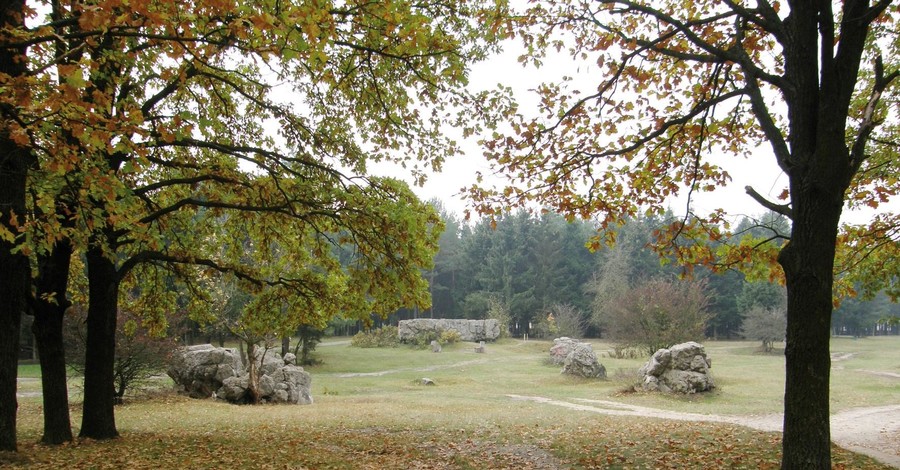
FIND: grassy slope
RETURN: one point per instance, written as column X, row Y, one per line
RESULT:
column 466, row 420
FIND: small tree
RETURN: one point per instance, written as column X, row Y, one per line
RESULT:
column 765, row 324
column 139, row 354
column 546, row 326
column 499, row 311
column 308, row 337
column 569, row 320
column 659, row 313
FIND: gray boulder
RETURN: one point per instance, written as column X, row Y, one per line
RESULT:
column 200, row 370
column 469, row 330
column 294, row 384
column 683, row 368
column 270, row 363
column 204, row 371
column 290, row 358
column 234, row 389
column 561, row 349
column 582, row 362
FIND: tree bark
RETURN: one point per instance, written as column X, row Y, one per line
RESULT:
column 14, row 281
column 808, row 262
column 253, row 372
column 98, row 420
column 15, row 272
column 53, row 279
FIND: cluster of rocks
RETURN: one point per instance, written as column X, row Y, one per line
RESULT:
column 683, row 368
column 205, row 371
column 469, row 330
column 576, row 358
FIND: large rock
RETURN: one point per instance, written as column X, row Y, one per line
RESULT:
column 561, row 349
column 202, row 369
column 683, row 368
column 292, row 385
column 469, row 330
column 582, row 362
column 271, row 362
column 234, row 389
column 205, row 371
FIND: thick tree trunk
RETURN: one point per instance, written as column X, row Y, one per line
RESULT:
column 98, row 420
column 53, row 280
column 808, row 262
column 14, row 269
column 14, row 278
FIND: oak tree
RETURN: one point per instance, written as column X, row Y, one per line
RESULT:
column 679, row 86
column 15, row 159
column 152, row 120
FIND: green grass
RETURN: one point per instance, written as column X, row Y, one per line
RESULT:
column 466, row 420
column 30, row 370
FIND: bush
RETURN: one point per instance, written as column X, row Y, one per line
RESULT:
column 497, row 310
column 629, row 380
column 625, row 352
column 767, row 325
column 450, row 337
column 138, row 357
column 658, row 314
column 423, row 340
column 384, row 337
column 569, row 320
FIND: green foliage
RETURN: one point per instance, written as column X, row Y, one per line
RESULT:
column 307, row 339
column 384, row 337
column 424, row 338
column 761, row 294
column 497, row 310
column 449, row 337
column 523, row 260
column 545, row 327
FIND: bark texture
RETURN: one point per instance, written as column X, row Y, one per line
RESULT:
column 98, row 420
column 52, row 283
column 14, row 269
column 822, row 73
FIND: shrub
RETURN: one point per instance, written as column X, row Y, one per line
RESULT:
column 139, row 355
column 629, row 379
column 658, row 314
column 497, row 310
column 424, row 339
column 384, row 337
column 546, row 327
column 767, row 325
column 450, row 337
column 569, row 320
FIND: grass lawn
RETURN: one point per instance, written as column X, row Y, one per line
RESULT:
column 371, row 412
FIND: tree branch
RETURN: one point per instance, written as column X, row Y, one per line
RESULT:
column 783, row 209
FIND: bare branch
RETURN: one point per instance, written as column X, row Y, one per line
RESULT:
column 783, row 209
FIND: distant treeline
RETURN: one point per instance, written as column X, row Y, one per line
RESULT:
column 533, row 262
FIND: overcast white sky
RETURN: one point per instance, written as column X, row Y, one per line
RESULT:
column 760, row 171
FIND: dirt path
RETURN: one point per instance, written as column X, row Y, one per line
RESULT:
column 873, row 431
column 419, row 369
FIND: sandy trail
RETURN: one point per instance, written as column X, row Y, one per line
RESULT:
column 873, row 431
column 419, row 369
